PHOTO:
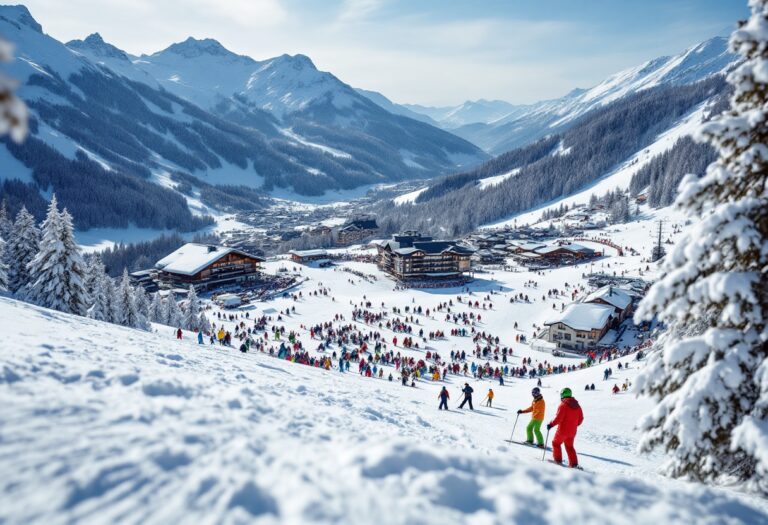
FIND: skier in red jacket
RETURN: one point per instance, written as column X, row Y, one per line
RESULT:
column 568, row 418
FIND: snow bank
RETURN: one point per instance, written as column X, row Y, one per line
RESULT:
column 103, row 424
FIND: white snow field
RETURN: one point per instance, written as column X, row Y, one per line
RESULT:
column 103, row 424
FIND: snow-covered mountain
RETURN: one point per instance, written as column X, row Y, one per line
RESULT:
column 190, row 119
column 527, row 123
column 470, row 112
column 398, row 109
column 575, row 161
column 289, row 88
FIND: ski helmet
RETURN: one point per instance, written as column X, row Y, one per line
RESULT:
column 536, row 392
column 565, row 392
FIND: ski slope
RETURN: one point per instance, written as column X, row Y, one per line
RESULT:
column 103, row 424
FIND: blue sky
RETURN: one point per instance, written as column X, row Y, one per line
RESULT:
column 433, row 52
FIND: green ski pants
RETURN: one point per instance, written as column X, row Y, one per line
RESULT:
column 534, row 427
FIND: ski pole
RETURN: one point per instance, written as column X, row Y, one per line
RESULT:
column 513, row 428
column 546, row 440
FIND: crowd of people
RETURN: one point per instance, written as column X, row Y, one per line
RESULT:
column 362, row 340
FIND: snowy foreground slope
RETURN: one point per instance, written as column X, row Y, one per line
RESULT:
column 102, row 424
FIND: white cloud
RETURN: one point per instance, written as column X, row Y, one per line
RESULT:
column 355, row 10
column 410, row 57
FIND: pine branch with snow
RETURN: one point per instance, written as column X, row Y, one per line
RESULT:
column 710, row 376
column 13, row 112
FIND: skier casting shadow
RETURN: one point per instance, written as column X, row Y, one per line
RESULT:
column 467, row 396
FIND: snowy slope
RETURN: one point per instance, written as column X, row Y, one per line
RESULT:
column 537, row 120
column 106, row 424
column 620, row 177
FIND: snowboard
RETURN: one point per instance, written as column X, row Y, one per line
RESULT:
column 523, row 443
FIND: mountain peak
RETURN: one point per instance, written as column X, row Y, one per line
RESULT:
column 194, row 48
column 94, row 45
column 20, row 15
column 298, row 62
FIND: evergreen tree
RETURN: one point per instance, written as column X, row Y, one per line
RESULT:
column 6, row 225
column 3, row 268
column 142, row 309
column 203, row 324
column 157, row 313
column 192, row 310
column 126, row 312
column 23, row 245
column 111, row 313
column 58, row 267
column 710, row 377
column 173, row 314
column 100, row 304
column 94, row 274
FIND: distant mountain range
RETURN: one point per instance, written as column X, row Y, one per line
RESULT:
column 195, row 117
column 498, row 126
column 160, row 140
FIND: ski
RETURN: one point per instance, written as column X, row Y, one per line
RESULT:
column 523, row 443
column 563, row 465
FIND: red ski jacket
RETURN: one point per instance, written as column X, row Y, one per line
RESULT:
column 569, row 416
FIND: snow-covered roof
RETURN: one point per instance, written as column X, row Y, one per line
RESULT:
column 309, row 253
column 193, row 257
column 611, row 295
column 583, row 316
column 530, row 246
column 570, row 247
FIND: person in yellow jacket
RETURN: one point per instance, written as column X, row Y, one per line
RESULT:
column 538, row 407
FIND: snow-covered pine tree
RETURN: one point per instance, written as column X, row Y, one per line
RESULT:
column 23, row 245
column 203, row 324
column 3, row 268
column 157, row 313
column 111, row 302
column 126, row 312
column 192, row 310
column 174, row 315
column 710, row 377
column 101, row 307
column 6, row 224
column 94, row 273
column 58, row 269
column 142, row 308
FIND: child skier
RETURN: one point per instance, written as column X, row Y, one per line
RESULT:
column 489, row 397
column 538, row 407
column 444, row 397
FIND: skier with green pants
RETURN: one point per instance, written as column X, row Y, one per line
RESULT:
column 537, row 408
